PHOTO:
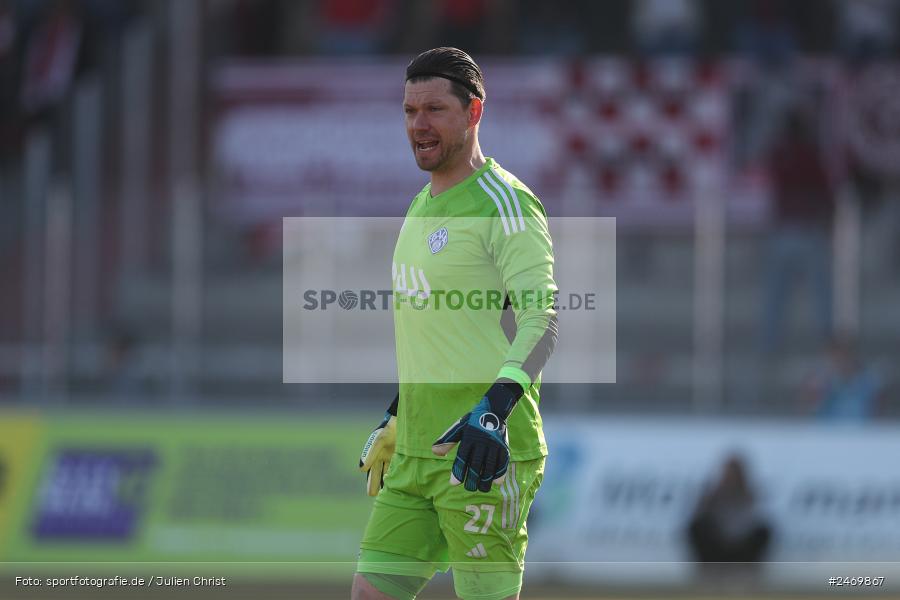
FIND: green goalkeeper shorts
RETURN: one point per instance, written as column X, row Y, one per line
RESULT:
column 430, row 525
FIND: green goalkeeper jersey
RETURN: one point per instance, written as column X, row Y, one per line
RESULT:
column 473, row 302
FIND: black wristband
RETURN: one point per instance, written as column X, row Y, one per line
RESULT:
column 503, row 395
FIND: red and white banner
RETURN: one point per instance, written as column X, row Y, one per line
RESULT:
column 608, row 137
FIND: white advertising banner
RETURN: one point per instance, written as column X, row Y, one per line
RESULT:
column 619, row 494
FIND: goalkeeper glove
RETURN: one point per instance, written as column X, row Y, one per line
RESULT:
column 483, row 454
column 379, row 449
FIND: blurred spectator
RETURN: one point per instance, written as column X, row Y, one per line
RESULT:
column 552, row 28
column 867, row 28
column 799, row 244
column 104, row 21
column 765, row 34
column 8, row 83
column 844, row 388
column 51, row 58
column 461, row 23
column 123, row 369
column 765, row 37
column 727, row 526
column 354, row 26
column 476, row 26
column 666, row 26
column 8, row 29
column 256, row 26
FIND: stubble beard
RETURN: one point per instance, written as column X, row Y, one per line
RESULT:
column 449, row 155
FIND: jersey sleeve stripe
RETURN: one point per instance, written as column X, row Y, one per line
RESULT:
column 499, row 207
column 515, row 198
column 512, row 218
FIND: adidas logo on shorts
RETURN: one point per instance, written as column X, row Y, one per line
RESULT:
column 477, row 552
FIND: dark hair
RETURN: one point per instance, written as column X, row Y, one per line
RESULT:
column 466, row 79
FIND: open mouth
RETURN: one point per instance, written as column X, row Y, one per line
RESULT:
column 426, row 146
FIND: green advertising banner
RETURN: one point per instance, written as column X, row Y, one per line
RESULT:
column 183, row 489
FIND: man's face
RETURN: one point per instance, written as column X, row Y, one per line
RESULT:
column 436, row 123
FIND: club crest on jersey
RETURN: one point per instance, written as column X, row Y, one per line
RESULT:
column 437, row 240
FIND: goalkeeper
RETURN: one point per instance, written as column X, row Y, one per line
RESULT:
column 459, row 456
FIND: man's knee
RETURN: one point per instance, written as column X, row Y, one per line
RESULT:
column 363, row 590
column 379, row 586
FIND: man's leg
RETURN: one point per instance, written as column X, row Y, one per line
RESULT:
column 402, row 546
column 377, row 586
column 363, row 590
column 392, row 575
column 485, row 532
column 492, row 585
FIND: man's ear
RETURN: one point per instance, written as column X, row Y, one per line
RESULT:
column 476, row 108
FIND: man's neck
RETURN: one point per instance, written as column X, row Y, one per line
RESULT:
column 444, row 180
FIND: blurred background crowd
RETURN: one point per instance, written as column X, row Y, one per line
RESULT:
column 111, row 109
column 749, row 150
